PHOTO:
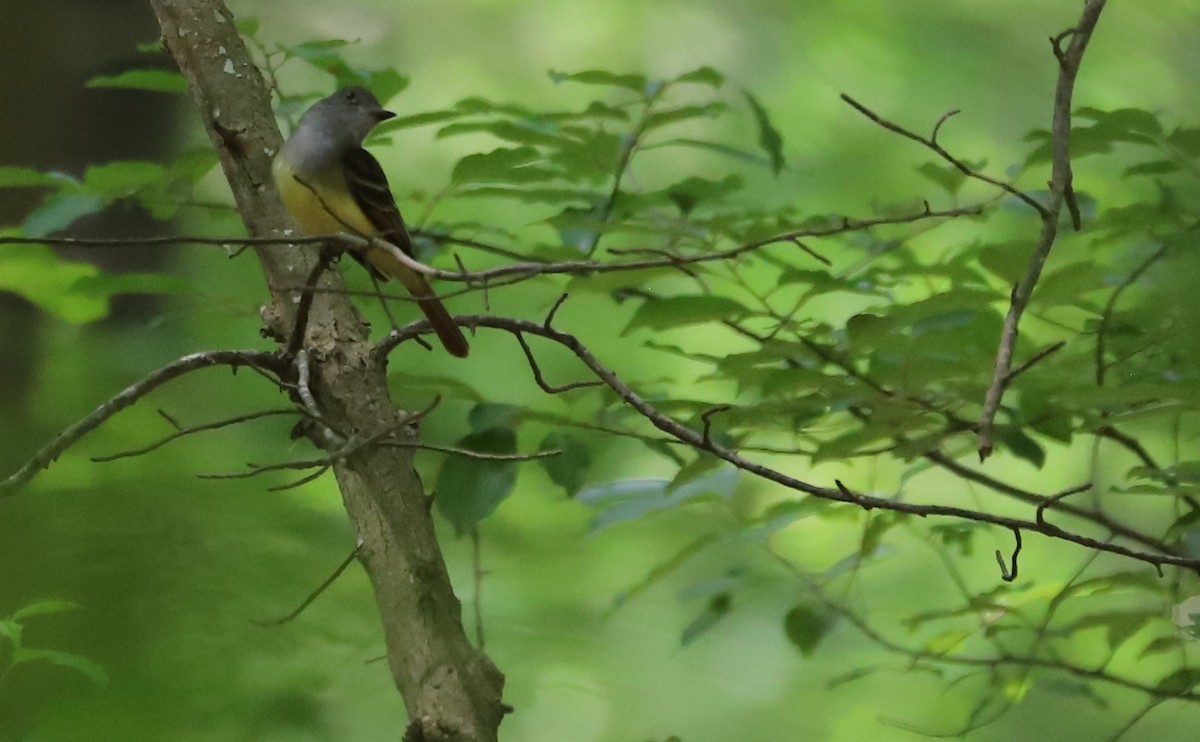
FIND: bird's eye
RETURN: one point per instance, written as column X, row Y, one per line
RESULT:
column 352, row 96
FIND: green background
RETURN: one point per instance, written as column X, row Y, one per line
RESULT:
column 171, row 570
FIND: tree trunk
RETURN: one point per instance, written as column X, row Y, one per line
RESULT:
column 451, row 689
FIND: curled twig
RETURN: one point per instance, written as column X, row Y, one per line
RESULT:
column 938, row 126
column 706, row 418
column 541, row 380
column 554, row 310
column 1009, row 573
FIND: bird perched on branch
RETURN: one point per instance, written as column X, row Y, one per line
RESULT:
column 330, row 184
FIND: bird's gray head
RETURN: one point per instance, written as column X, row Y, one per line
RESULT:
column 349, row 114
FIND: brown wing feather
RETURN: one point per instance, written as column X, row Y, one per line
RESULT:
column 368, row 185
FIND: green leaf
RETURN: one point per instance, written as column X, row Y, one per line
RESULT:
column 491, row 415
column 469, row 489
column 679, row 311
column 1118, row 626
column 688, row 193
column 947, row 176
column 737, row 153
column 429, row 386
column 569, row 469
column 158, row 81
column 517, row 132
column 1180, row 681
column 1156, row 167
column 699, row 466
column 326, row 55
column 106, row 285
column 122, row 178
column 960, row 535
column 83, row 665
column 504, row 165
column 670, row 116
column 60, row 211
column 704, row 76
column 768, row 136
column 717, row 608
column 1133, row 120
column 1187, row 140
column 636, row 83
column 1073, row 689
column 630, row 499
column 806, row 625
column 947, row 641
column 1023, row 447
column 23, row 177
column 590, row 158
column 417, row 119
column 44, row 608
column 247, row 25
column 679, row 558
column 1162, row 645
column 33, row 271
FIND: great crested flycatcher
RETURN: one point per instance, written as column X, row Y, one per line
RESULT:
column 328, row 182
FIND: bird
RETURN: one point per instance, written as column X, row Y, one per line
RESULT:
column 329, row 183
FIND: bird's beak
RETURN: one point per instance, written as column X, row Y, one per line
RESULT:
column 382, row 115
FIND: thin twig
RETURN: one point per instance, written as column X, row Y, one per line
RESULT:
column 478, row 574
column 192, row 362
column 941, row 152
column 1035, row 359
column 522, row 271
column 706, row 418
column 468, row 453
column 541, row 380
column 181, row 431
column 291, row 616
column 1111, row 305
column 296, row 341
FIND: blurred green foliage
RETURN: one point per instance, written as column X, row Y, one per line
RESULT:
column 634, row 589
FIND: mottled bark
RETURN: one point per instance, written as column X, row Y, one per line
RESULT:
column 451, row 689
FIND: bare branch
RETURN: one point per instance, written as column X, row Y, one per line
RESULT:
column 522, row 271
column 480, row 455
column 1061, row 190
column 192, row 362
column 541, row 381
column 941, row 152
column 681, row 432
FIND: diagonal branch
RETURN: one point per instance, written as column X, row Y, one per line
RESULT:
column 931, row 143
column 696, row 440
column 131, row 394
column 1061, row 192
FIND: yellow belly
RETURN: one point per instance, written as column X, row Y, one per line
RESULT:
column 334, row 211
